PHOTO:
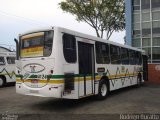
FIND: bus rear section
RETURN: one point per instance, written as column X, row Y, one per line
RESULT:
column 36, row 79
column 35, row 65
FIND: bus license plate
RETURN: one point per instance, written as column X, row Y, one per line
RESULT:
column 34, row 91
column 34, row 81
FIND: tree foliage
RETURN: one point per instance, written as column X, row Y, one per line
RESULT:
column 102, row 15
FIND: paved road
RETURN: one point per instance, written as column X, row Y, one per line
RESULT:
column 145, row 99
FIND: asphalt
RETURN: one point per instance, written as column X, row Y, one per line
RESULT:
column 131, row 100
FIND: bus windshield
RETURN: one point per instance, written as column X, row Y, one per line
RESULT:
column 37, row 44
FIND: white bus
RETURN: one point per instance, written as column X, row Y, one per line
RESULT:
column 61, row 63
column 7, row 68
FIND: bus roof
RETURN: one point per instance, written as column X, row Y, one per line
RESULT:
column 82, row 35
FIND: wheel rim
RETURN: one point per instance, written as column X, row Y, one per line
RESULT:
column 1, row 82
column 104, row 90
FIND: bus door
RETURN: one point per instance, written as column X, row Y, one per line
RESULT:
column 86, row 68
column 145, row 67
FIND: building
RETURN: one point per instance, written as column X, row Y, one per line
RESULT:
column 143, row 30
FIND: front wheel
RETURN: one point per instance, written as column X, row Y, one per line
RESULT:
column 1, row 81
column 103, row 90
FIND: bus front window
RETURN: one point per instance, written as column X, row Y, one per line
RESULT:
column 37, row 44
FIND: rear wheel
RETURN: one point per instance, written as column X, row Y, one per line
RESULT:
column 2, row 81
column 139, row 81
column 103, row 90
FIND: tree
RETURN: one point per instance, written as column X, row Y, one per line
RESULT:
column 102, row 15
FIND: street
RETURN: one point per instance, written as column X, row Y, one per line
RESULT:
column 131, row 100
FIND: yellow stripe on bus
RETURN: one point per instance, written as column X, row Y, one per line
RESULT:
column 19, row 80
column 56, row 82
column 117, row 76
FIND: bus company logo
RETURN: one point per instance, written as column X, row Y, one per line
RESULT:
column 34, row 68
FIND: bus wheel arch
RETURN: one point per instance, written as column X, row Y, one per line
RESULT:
column 103, row 88
column 2, row 80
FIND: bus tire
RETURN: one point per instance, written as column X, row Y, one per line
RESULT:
column 2, row 81
column 102, row 90
column 139, row 80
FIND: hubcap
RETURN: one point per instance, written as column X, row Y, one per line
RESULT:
column 103, row 90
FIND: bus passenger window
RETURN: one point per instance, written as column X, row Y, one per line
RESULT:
column 115, row 54
column 2, row 62
column 132, row 58
column 124, row 56
column 138, row 58
column 69, row 48
column 11, row 60
column 102, row 53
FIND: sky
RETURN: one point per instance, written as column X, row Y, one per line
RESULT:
column 19, row 16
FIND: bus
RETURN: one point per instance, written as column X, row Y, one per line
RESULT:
column 61, row 63
column 7, row 68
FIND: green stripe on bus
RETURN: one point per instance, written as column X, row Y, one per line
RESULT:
column 56, row 76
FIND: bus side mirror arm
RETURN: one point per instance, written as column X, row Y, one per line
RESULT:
column 17, row 49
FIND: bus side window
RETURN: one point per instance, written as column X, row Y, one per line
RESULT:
column 69, row 48
column 132, row 57
column 2, row 62
column 138, row 58
column 11, row 60
column 102, row 53
column 115, row 54
column 124, row 56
